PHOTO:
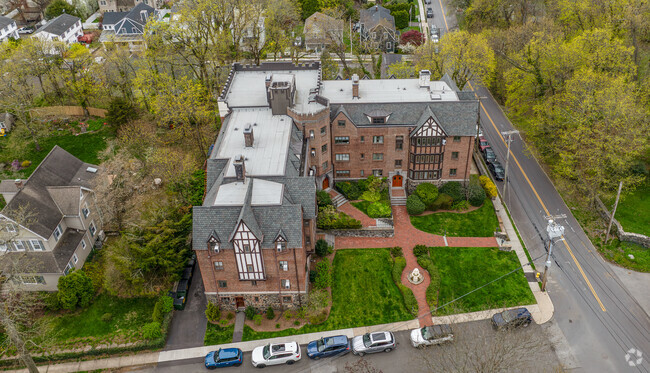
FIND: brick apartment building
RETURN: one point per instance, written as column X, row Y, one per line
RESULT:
column 286, row 133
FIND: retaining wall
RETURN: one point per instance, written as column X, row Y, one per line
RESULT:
column 622, row 234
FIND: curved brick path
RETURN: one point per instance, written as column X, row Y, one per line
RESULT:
column 407, row 236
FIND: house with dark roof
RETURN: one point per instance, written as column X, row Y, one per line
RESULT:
column 377, row 29
column 50, row 223
column 8, row 29
column 321, row 30
column 108, row 6
column 127, row 28
column 65, row 28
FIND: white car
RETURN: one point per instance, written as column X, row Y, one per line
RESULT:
column 276, row 354
column 431, row 335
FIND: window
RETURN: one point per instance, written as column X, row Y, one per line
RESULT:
column 218, row 266
column 85, row 210
column 313, row 152
column 452, row 172
column 342, row 173
column 223, row 284
column 456, row 138
column 257, row 299
column 3, row 247
column 398, row 163
column 323, row 130
column 342, row 140
column 343, row 157
column 57, row 232
column 305, row 223
column 362, row 156
column 399, row 142
column 308, row 240
column 249, row 268
column 83, row 244
column 325, row 165
column 68, row 268
column 92, row 229
column 214, row 245
column 454, row 155
column 103, row 3
column 378, row 120
column 247, row 248
column 253, row 283
column 281, row 246
column 362, row 139
column 311, row 133
column 30, row 280
column 377, row 172
column 341, row 123
column 11, row 228
column 285, row 284
column 225, row 300
column 378, row 139
column 286, row 299
column 19, row 245
column 361, row 172
column 323, row 148
column 37, row 245
column 284, row 265
column 75, row 259
column 389, row 45
column 378, row 156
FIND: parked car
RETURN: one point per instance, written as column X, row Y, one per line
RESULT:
column 483, row 144
column 26, row 30
column 224, row 357
column 427, row 1
column 497, row 170
column 182, row 287
column 431, row 335
column 429, row 13
column 512, row 318
column 276, row 354
column 328, row 346
column 489, row 156
column 373, row 342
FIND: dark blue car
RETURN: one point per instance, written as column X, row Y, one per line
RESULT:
column 328, row 346
column 512, row 318
column 224, row 357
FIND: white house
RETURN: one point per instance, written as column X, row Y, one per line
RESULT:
column 64, row 28
column 127, row 28
column 8, row 29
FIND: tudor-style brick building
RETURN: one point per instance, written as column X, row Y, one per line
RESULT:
column 286, row 133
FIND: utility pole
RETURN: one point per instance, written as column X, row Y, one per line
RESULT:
column 611, row 218
column 508, row 141
column 554, row 230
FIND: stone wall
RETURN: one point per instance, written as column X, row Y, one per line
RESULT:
column 364, row 232
column 622, row 234
column 259, row 301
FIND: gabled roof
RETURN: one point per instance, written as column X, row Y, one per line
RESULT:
column 247, row 217
column 315, row 23
column 59, row 25
column 66, row 198
column 373, row 16
column 5, row 21
column 53, row 261
column 132, row 22
column 111, row 18
column 280, row 236
column 215, row 236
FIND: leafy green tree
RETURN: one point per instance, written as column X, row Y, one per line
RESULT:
column 58, row 7
column 75, row 290
column 309, row 7
column 454, row 189
column 212, row 312
column 120, row 111
column 152, row 330
column 329, row 68
column 401, row 19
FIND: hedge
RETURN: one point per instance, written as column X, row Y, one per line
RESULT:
column 476, row 194
column 443, row 202
column 453, row 189
column 329, row 218
column 426, row 262
column 411, row 303
column 414, row 205
column 379, row 210
column 427, row 193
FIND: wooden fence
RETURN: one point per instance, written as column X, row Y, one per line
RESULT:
column 65, row 111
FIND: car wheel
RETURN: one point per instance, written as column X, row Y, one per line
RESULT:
column 316, row 357
column 388, row 350
column 237, row 364
column 261, row 366
column 360, row 353
column 290, row 362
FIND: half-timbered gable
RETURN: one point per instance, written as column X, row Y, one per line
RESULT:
column 427, row 148
column 248, row 253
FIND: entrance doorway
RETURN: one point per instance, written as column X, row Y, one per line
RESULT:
column 239, row 302
column 397, row 181
column 326, row 183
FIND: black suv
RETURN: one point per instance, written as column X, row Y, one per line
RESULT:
column 496, row 170
column 489, row 156
column 429, row 13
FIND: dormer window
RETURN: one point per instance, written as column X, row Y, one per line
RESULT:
column 57, row 232
column 378, row 120
column 213, row 245
column 281, row 246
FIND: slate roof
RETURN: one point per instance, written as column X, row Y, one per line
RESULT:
column 66, row 198
column 58, row 169
column 111, row 18
column 5, row 21
column 372, row 16
column 53, row 261
column 60, row 24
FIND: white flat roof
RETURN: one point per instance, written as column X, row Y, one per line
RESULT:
column 271, row 134
column 387, row 91
column 264, row 193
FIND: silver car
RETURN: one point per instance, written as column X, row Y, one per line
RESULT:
column 431, row 335
column 373, row 342
column 275, row 354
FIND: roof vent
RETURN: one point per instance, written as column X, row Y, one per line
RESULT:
column 91, row 169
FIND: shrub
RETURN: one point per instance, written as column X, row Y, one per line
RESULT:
column 420, row 250
column 312, row 275
column 120, row 111
column 302, row 312
column 277, row 326
column 349, row 189
column 460, row 205
column 475, row 193
column 230, row 316
column 107, row 317
column 371, row 195
column 453, row 189
column 401, row 19
column 434, row 283
column 324, row 274
column 323, row 198
column 257, row 319
column 224, row 322
column 296, row 323
column 488, row 186
column 322, row 248
column 396, row 251
column 414, row 205
column 287, row 315
column 51, row 301
column 427, row 193
column 379, row 210
column 412, row 36
column 318, row 318
column 75, row 290
column 270, row 314
column 250, row 312
column 25, row 164
column 329, row 218
column 212, row 312
column 151, row 330
column 163, row 306
column 407, row 294
column 443, row 202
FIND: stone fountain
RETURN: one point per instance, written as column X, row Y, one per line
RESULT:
column 415, row 277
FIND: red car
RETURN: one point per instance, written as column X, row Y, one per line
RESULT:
column 483, row 144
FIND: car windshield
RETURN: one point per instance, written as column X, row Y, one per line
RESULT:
column 366, row 340
column 320, row 345
column 425, row 333
column 498, row 168
column 484, row 142
column 509, row 315
column 266, row 352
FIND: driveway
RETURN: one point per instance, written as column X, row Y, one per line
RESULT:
column 188, row 326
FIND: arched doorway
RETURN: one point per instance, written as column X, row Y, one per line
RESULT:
column 326, row 183
column 397, row 181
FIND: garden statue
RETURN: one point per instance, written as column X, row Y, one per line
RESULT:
column 415, row 277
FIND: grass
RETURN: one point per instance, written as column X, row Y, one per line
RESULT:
column 633, row 210
column 128, row 316
column 363, row 204
column 215, row 334
column 463, row 269
column 478, row 223
column 617, row 251
column 363, row 294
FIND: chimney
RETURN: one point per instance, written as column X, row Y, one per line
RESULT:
column 425, row 78
column 240, row 168
column 355, row 86
column 248, row 136
column 19, row 184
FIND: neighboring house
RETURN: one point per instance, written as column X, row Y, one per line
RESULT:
column 377, row 29
column 320, row 30
column 387, row 60
column 254, row 35
column 286, row 133
column 107, row 6
column 8, row 29
column 61, row 224
column 127, row 28
column 65, row 28
column 6, row 122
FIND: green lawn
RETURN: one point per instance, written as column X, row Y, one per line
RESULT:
column 633, row 210
column 216, row 335
column 463, row 269
column 363, row 204
column 363, row 294
column 618, row 251
column 478, row 223
column 128, row 316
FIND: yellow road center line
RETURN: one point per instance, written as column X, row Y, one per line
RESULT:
column 443, row 15
column 575, row 260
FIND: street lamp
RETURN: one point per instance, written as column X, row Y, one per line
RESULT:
column 554, row 230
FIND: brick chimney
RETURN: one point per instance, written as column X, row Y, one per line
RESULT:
column 240, row 168
column 425, row 78
column 248, row 135
column 355, row 86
